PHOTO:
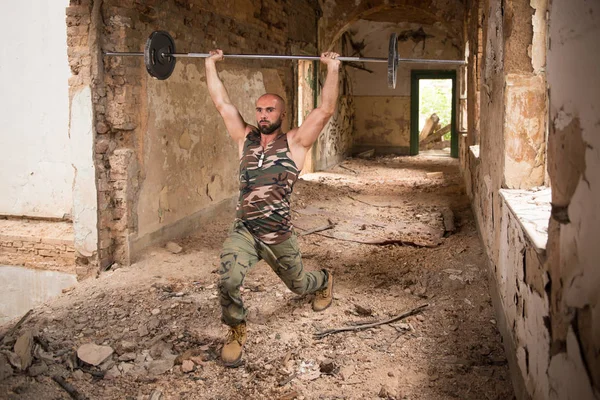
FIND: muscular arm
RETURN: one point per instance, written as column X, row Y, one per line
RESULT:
column 308, row 132
column 235, row 124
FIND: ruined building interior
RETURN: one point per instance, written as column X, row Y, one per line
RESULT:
column 128, row 184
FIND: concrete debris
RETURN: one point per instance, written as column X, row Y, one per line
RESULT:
column 5, row 368
column 38, row 369
column 24, row 349
column 346, row 371
column 78, row 375
column 282, row 359
column 435, row 175
column 174, row 247
column 155, row 395
column 386, row 393
column 187, row 366
column 364, row 311
column 142, row 330
column 92, row 354
column 159, row 367
column 366, row 154
column 112, row 373
column 127, row 357
column 127, row 347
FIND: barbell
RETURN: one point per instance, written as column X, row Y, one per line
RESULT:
column 160, row 55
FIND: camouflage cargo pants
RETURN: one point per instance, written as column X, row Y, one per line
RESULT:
column 241, row 251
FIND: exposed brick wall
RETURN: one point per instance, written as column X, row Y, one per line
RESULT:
column 78, row 19
column 31, row 251
column 37, row 244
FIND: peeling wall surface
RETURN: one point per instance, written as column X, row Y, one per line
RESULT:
column 36, row 175
column 545, row 295
column 383, row 114
column 574, row 168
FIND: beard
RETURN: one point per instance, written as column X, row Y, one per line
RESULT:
column 269, row 129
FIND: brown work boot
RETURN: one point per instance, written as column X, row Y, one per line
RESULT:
column 324, row 297
column 231, row 353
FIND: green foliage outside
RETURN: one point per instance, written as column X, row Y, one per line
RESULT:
column 435, row 96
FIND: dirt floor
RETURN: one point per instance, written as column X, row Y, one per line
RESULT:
column 403, row 236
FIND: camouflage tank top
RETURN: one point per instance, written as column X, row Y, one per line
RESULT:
column 267, row 177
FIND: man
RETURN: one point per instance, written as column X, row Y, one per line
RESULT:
column 270, row 162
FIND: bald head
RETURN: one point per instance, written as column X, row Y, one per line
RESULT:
column 272, row 97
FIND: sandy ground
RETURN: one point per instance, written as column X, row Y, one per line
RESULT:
column 160, row 316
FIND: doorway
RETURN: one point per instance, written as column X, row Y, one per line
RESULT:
column 433, row 111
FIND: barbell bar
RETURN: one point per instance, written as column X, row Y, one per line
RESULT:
column 160, row 56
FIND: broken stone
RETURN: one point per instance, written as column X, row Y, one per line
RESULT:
column 5, row 368
column 77, row 374
column 162, row 350
column 434, row 175
column 174, row 248
column 363, row 310
column 38, row 369
column 24, row 349
column 187, row 366
column 128, row 357
column 386, row 393
column 112, row 373
column 127, row 347
column 366, row 154
column 13, row 359
column 153, row 323
column 197, row 360
column 347, row 371
column 107, row 364
column 142, row 330
column 159, row 367
column 93, row 354
column 126, row 368
column 402, row 326
column 189, row 354
column 155, row 395
column 328, row 367
column 310, row 376
column 453, row 271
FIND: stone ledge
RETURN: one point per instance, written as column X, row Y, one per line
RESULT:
column 532, row 209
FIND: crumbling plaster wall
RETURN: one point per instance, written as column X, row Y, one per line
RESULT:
column 544, row 297
column 574, row 169
column 383, row 114
column 164, row 159
column 512, row 110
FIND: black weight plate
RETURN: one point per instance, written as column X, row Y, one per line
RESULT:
column 157, row 65
column 393, row 61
